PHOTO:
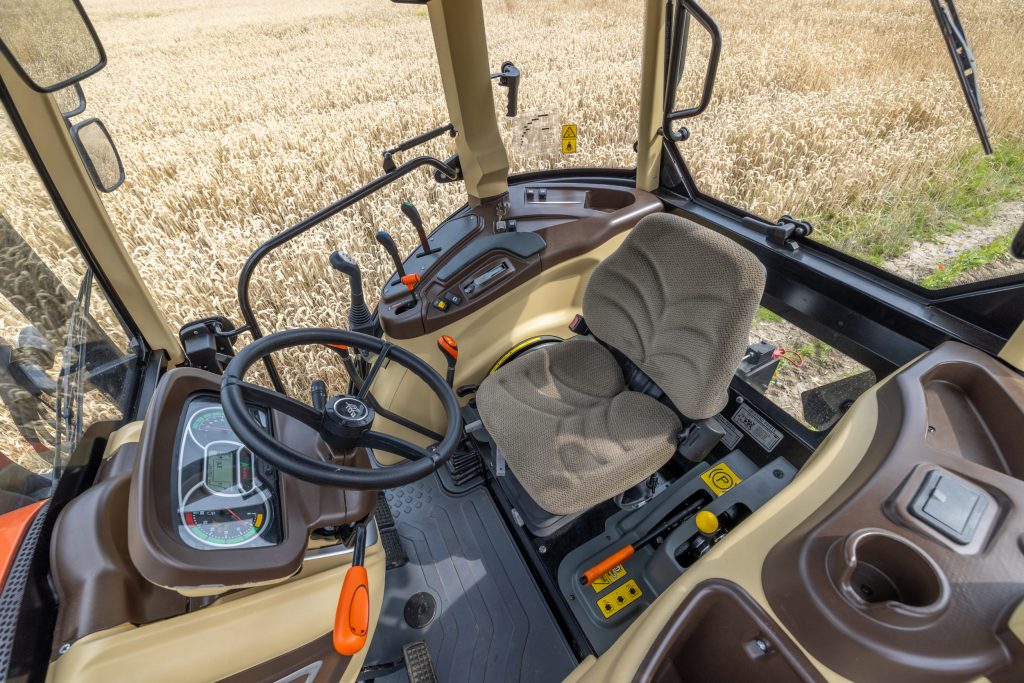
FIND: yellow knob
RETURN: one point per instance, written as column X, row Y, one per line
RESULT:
column 707, row 522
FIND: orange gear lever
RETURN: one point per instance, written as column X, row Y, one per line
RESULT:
column 450, row 350
column 352, row 619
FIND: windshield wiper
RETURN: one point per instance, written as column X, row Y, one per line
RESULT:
column 71, row 390
column 963, row 61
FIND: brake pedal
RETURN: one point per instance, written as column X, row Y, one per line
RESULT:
column 383, row 512
column 418, row 663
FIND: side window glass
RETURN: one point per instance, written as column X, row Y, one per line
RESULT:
column 65, row 359
column 812, row 381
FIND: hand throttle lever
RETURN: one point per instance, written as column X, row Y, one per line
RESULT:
column 359, row 317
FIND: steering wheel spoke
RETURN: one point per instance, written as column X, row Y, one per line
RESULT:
column 374, row 369
column 297, row 410
column 393, row 444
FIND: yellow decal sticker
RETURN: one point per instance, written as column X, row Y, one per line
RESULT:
column 608, row 578
column 619, row 598
column 569, row 145
column 720, row 478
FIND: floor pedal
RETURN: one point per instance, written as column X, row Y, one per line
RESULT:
column 393, row 551
column 464, row 465
column 418, row 663
column 383, row 512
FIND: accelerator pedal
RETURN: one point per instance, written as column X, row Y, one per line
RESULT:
column 394, row 553
column 418, row 663
column 464, row 464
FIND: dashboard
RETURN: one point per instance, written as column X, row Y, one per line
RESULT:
column 206, row 514
column 224, row 496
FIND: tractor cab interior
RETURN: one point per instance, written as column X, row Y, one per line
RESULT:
column 553, row 459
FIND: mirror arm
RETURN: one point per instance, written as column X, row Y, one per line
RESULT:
column 415, row 141
column 509, row 77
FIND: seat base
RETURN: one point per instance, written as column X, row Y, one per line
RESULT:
column 571, row 432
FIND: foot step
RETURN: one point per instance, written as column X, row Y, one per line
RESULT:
column 418, row 663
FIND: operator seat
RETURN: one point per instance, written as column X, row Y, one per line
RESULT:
column 676, row 299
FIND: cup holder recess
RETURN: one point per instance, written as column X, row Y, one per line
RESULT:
column 887, row 577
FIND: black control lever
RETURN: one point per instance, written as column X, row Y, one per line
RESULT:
column 384, row 239
column 406, row 145
column 413, row 214
column 359, row 317
column 318, row 395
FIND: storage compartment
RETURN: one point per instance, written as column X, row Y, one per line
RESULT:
column 974, row 414
column 887, row 576
column 720, row 634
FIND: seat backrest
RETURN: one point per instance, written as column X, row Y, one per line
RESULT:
column 678, row 300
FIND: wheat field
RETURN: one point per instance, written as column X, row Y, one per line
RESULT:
column 237, row 118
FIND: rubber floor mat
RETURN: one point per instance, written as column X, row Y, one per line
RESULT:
column 489, row 621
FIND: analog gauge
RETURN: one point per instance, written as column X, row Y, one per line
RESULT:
column 220, row 521
column 209, row 425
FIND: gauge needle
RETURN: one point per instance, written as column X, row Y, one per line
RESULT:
column 234, row 514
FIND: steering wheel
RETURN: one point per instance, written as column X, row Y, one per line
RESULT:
column 346, row 421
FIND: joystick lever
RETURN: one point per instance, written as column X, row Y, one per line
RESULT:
column 359, row 317
column 410, row 211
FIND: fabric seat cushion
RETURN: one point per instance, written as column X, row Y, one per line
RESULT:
column 570, row 431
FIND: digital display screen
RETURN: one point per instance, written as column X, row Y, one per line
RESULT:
column 220, row 470
column 245, row 470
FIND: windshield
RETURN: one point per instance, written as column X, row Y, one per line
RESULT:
column 65, row 362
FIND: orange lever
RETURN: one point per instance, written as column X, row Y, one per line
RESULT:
column 410, row 280
column 449, row 347
column 352, row 620
column 606, row 565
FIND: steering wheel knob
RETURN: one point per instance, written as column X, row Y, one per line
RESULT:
column 346, row 419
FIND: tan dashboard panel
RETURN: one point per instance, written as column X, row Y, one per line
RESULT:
column 544, row 305
column 740, row 555
column 130, row 433
column 283, row 618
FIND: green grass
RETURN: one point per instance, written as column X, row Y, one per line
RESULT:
column 766, row 316
column 947, row 204
column 965, row 261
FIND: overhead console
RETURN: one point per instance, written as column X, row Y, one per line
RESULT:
column 490, row 249
column 205, row 513
column 911, row 570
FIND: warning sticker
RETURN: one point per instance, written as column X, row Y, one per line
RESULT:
column 608, row 578
column 620, row 597
column 759, row 428
column 569, row 145
column 732, row 435
column 720, row 478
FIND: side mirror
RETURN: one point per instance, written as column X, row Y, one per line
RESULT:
column 50, row 43
column 99, row 154
column 680, row 14
column 824, row 405
column 70, row 100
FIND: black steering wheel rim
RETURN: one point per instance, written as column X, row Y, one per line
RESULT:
column 419, row 462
